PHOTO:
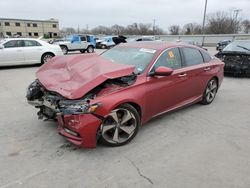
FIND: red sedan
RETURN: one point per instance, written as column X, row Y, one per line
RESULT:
column 108, row 97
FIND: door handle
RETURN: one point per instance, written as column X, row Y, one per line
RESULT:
column 182, row 75
column 207, row 69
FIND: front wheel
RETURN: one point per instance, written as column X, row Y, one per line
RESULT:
column 90, row 49
column 82, row 51
column 210, row 91
column 120, row 126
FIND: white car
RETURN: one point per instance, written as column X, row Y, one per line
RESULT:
column 20, row 51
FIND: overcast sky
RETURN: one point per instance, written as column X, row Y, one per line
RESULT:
column 72, row 13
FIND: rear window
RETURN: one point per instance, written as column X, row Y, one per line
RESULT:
column 207, row 58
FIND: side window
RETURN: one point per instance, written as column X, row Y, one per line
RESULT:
column 207, row 58
column 30, row 43
column 13, row 44
column 83, row 39
column 170, row 58
column 192, row 56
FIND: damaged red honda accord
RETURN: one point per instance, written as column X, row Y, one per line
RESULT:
column 107, row 97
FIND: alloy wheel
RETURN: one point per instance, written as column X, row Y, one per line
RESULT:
column 211, row 90
column 119, row 127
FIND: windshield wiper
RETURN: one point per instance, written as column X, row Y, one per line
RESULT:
column 243, row 47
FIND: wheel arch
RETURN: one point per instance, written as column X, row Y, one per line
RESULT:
column 47, row 52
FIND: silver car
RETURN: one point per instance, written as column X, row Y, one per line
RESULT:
column 20, row 51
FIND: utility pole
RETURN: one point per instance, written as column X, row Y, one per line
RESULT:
column 154, row 26
column 236, row 13
column 203, row 23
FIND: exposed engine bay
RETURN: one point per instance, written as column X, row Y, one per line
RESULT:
column 50, row 103
column 237, row 64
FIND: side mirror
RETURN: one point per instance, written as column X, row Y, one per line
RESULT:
column 1, row 46
column 162, row 71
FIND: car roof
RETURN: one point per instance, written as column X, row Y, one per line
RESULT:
column 8, row 39
column 156, row 45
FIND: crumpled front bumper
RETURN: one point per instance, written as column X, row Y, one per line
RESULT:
column 80, row 129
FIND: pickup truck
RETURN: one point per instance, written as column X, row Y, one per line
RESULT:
column 80, row 43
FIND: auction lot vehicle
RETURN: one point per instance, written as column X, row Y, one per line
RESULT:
column 109, row 96
column 110, row 41
column 21, row 51
column 222, row 44
column 106, row 42
column 236, row 57
column 80, row 43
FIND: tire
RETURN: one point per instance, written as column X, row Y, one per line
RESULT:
column 90, row 49
column 120, row 126
column 210, row 92
column 104, row 46
column 46, row 57
column 64, row 49
column 82, row 51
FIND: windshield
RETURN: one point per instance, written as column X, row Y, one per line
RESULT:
column 140, row 57
column 238, row 46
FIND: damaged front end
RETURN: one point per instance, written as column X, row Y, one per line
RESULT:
column 76, row 118
column 236, row 64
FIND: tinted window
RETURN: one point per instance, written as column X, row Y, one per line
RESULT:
column 13, row 44
column 7, row 23
column 206, row 56
column 18, row 24
column 170, row 58
column 192, row 56
column 29, row 43
column 83, row 39
column 34, row 25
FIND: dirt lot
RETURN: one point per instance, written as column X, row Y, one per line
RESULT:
column 199, row 146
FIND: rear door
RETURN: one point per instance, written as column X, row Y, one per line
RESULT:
column 12, row 53
column 33, row 51
column 198, row 71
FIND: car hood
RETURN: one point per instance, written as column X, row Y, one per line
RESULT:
column 73, row 76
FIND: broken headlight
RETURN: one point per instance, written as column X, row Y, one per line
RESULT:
column 77, row 107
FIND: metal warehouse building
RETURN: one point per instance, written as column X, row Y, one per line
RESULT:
column 28, row 28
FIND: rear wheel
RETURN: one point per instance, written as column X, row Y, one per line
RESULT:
column 46, row 57
column 90, row 49
column 120, row 126
column 82, row 51
column 210, row 91
column 64, row 49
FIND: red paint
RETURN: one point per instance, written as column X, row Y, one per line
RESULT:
column 75, row 75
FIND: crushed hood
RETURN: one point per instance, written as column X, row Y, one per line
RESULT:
column 73, row 76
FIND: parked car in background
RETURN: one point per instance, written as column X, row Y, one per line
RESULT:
column 222, row 44
column 20, row 51
column 236, row 57
column 82, row 43
column 105, row 43
column 109, row 96
column 110, row 41
column 143, row 38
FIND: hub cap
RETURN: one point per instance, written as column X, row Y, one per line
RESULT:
column 46, row 58
column 119, row 126
column 211, row 90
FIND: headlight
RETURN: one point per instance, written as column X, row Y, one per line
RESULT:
column 77, row 107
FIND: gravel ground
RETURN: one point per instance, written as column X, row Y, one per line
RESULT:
column 198, row 146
